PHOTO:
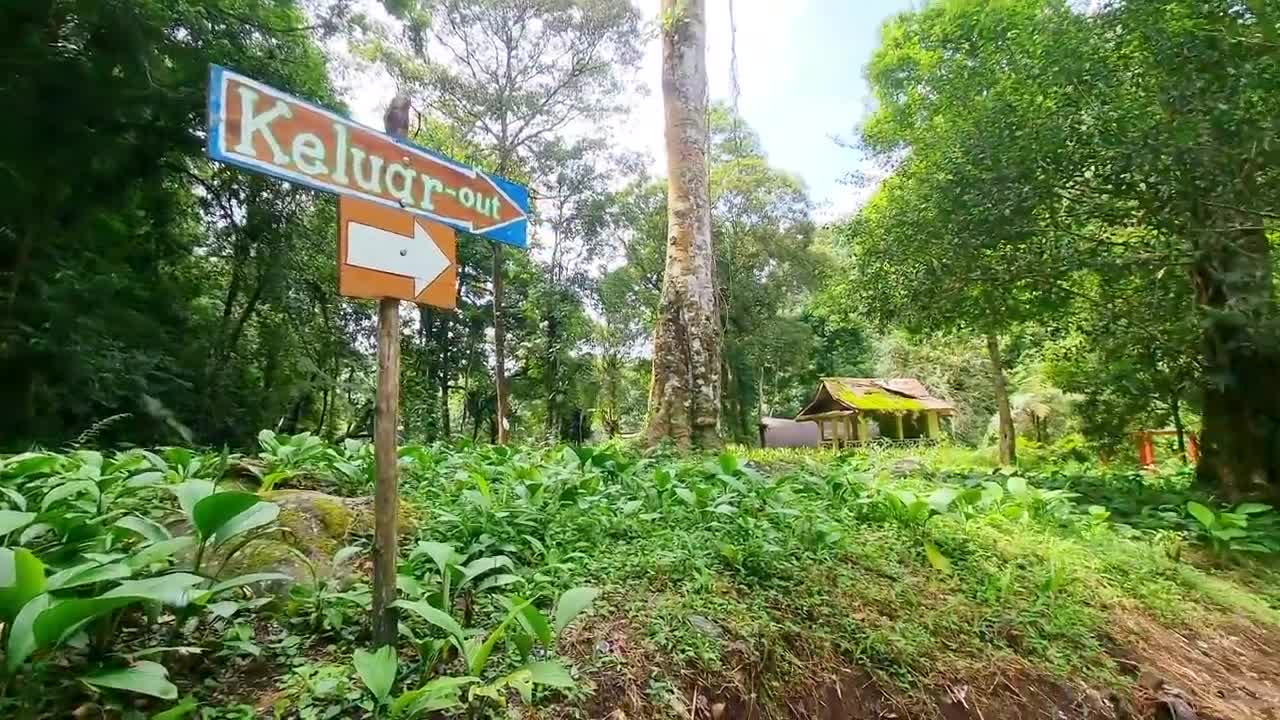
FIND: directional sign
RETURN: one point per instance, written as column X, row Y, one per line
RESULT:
column 384, row 252
column 263, row 129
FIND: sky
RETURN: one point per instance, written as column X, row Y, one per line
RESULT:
column 800, row 69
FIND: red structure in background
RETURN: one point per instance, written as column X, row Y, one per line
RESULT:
column 1145, row 440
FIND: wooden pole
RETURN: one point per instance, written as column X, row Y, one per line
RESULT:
column 386, row 421
column 386, row 497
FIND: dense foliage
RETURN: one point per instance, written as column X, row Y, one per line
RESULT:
column 123, row 571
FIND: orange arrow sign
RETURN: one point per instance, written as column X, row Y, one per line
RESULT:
column 383, row 252
column 260, row 128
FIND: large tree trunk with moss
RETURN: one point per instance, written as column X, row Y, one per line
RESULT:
column 1008, row 434
column 1240, row 435
column 684, row 397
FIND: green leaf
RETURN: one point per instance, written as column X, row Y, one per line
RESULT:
column 213, row 512
column 21, row 578
column 433, row 615
column 181, row 711
column 143, row 677
column 148, row 529
column 481, row 566
column 259, row 516
column 940, row 500
column 535, row 623
column 441, row 693
column 156, row 552
column 478, row 653
column 442, row 554
column 11, row 520
column 686, row 495
column 192, row 492
column 68, row 489
column 495, row 581
column 936, row 558
column 15, row 497
column 571, row 604
column 1016, row 485
column 550, row 673
column 22, row 634
column 1202, row 514
column 729, row 463
column 87, row 574
column 1252, row 508
column 247, row 579
column 377, row 670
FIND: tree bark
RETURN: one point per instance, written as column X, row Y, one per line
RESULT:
column 1008, row 434
column 499, row 349
column 1241, row 411
column 684, row 396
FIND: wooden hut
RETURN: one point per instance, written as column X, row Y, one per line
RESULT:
column 854, row 411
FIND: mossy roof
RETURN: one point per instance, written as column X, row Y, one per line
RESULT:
column 886, row 395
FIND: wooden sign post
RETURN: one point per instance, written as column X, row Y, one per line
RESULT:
column 399, row 207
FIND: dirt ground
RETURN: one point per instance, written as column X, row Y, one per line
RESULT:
column 1229, row 672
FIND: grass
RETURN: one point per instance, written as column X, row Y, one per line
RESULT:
column 766, row 570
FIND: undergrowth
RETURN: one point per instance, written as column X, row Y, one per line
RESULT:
column 793, row 564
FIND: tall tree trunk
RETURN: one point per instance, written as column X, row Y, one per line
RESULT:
column 684, row 396
column 1241, row 414
column 499, row 349
column 1008, row 434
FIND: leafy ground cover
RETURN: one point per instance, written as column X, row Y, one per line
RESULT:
column 594, row 582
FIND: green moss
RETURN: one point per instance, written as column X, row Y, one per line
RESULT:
column 874, row 400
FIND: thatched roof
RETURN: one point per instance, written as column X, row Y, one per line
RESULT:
column 885, row 395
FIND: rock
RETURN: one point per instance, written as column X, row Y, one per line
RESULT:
column 706, row 627
column 316, row 526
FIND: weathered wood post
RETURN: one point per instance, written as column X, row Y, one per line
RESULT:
column 386, row 421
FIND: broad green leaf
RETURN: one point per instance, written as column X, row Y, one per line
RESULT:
column 11, row 520
column 433, row 615
column 550, row 673
column 571, row 604
column 143, row 677
column 440, row 694
column 224, row 609
column 686, row 495
column 181, row 711
column 520, row 680
column 478, row 653
column 442, row 554
column 936, row 558
column 729, row 463
column 940, row 500
column 1016, row 485
column 377, row 670
column 19, row 501
column 21, row 578
column 22, row 634
column 494, row 581
column 1202, row 514
column 246, row 579
column 256, row 517
column 172, row 589
column 156, row 552
column 67, row 490
column 480, row 566
column 213, row 512
column 191, row 492
column 148, row 529
column 1252, row 508
column 87, row 574
column 535, row 623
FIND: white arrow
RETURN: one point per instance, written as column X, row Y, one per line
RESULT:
column 417, row 257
